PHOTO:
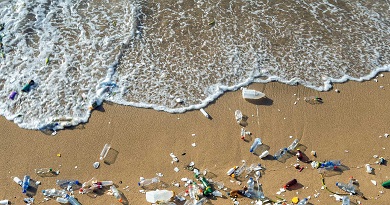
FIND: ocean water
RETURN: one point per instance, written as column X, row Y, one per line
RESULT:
column 149, row 53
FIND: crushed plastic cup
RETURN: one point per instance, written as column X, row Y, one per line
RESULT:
column 159, row 196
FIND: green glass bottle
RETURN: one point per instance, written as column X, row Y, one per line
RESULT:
column 207, row 190
column 386, row 184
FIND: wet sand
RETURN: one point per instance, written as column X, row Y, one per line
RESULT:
column 347, row 126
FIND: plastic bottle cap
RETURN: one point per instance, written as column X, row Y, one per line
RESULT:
column 295, row 200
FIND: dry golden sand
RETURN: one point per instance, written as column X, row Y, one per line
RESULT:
column 346, row 126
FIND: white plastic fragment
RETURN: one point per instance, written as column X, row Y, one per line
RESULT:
column 337, row 197
column 96, row 165
column 159, row 174
column 373, row 182
column 184, row 179
column 368, row 168
column 281, row 190
column 176, row 169
column 193, row 144
column 174, row 158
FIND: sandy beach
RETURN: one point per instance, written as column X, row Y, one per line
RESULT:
column 350, row 125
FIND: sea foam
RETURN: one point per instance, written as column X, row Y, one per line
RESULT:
column 147, row 54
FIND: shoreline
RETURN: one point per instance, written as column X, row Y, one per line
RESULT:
column 345, row 127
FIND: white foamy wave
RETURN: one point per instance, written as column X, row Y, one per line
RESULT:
column 69, row 49
column 150, row 53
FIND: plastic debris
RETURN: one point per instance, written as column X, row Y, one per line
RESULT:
column 96, row 165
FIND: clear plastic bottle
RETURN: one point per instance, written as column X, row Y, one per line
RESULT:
column 240, row 170
column 279, row 154
column 146, row 182
column 217, row 193
column 303, row 201
column 250, row 184
column 68, row 184
column 330, row 165
column 313, row 100
column 251, row 188
column 238, row 115
column 242, row 133
column 231, row 170
column 26, row 183
column 116, row 193
column 45, row 172
column 346, row 187
column 54, row 193
column 72, row 200
column 255, row 144
column 293, row 145
column 346, row 200
column 106, row 183
column 105, row 150
column 191, row 191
